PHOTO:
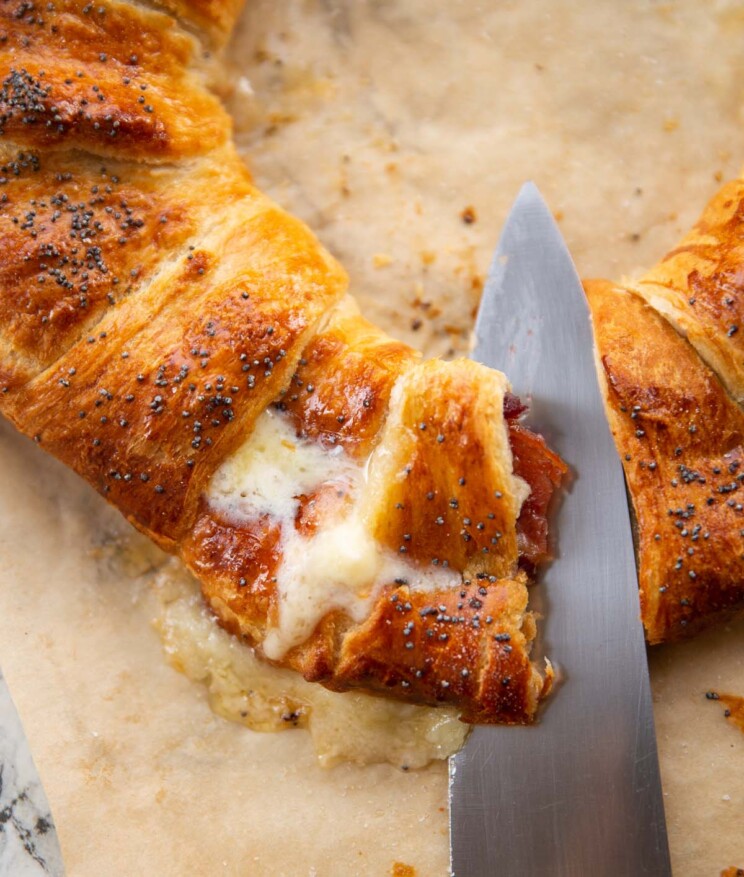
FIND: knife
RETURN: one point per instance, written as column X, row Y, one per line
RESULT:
column 579, row 793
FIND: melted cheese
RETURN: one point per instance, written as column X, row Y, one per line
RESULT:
column 272, row 469
column 340, row 566
column 344, row 727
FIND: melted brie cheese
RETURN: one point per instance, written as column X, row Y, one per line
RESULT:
column 272, row 469
column 242, row 688
column 340, row 566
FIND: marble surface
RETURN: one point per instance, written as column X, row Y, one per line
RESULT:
column 28, row 842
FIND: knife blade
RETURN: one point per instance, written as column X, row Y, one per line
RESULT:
column 579, row 793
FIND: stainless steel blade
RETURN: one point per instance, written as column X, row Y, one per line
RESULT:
column 579, row 793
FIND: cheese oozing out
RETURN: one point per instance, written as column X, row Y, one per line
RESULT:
column 352, row 726
column 340, row 565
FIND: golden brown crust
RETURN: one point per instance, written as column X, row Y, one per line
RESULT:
column 79, row 234
column 444, row 492
column 699, row 286
column 111, row 78
column 681, row 439
column 236, row 565
column 340, row 392
column 469, row 647
column 153, row 304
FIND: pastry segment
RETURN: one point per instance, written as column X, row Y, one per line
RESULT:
column 180, row 342
column 413, row 606
column 681, row 439
column 442, row 487
column 673, row 374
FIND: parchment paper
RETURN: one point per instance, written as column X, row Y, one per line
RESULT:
column 379, row 123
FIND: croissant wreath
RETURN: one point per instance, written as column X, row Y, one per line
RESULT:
column 353, row 512
column 671, row 358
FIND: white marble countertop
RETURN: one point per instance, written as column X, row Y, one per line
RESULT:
column 28, row 842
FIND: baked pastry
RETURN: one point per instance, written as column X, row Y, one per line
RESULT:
column 354, row 513
column 671, row 358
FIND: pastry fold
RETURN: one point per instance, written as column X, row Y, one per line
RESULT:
column 190, row 349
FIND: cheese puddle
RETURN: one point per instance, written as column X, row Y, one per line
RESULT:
column 344, row 727
column 341, row 566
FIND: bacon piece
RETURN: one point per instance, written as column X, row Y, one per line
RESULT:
column 543, row 471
